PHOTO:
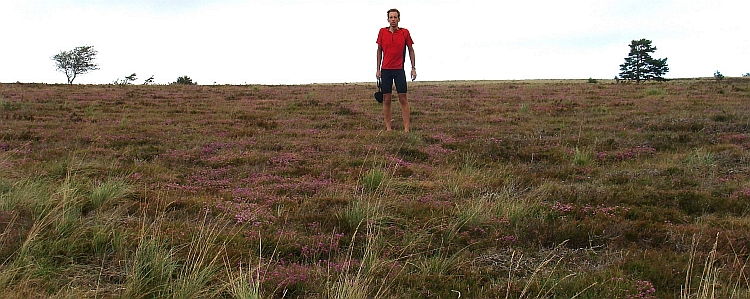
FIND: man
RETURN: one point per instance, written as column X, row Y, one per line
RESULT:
column 392, row 44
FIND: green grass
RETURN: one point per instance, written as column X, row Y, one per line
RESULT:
column 503, row 189
column 372, row 180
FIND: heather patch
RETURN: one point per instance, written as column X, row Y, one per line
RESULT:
column 502, row 190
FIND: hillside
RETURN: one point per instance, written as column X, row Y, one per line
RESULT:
column 503, row 189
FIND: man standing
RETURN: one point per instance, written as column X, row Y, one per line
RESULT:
column 392, row 44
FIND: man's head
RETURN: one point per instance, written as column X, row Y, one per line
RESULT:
column 394, row 16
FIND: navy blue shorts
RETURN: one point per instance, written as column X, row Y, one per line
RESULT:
column 388, row 77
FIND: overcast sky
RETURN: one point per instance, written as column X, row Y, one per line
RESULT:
column 297, row 41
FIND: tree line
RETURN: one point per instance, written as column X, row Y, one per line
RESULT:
column 80, row 60
column 638, row 66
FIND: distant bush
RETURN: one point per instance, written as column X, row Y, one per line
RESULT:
column 185, row 80
column 718, row 76
column 592, row 80
column 126, row 81
column 148, row 81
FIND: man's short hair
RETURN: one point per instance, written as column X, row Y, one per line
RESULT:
column 394, row 10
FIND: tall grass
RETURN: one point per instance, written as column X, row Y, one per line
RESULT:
column 373, row 179
column 711, row 282
column 363, row 210
column 201, row 264
column 161, row 270
column 109, row 190
column 245, row 283
column 371, row 277
column 701, row 157
column 55, row 227
column 151, row 268
column 582, row 158
column 506, row 203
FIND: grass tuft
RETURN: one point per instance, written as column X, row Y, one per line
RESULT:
column 373, row 180
column 110, row 190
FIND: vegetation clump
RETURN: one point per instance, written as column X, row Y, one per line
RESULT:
column 184, row 80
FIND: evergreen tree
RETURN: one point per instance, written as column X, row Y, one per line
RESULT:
column 639, row 65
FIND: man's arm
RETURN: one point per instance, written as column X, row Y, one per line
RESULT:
column 413, row 66
column 380, row 60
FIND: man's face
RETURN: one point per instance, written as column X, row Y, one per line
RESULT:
column 393, row 18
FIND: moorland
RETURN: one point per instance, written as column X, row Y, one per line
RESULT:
column 503, row 189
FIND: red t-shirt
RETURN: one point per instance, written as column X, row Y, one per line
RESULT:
column 393, row 44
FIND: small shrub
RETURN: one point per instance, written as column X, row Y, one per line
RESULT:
column 523, row 108
column 582, row 158
column 413, row 155
column 7, row 105
column 148, row 81
column 126, row 81
column 656, row 92
column 722, row 117
column 718, row 76
column 185, row 80
column 702, row 157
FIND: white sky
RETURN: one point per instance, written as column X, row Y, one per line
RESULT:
column 326, row 41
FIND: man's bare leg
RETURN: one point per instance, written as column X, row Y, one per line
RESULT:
column 387, row 110
column 405, row 113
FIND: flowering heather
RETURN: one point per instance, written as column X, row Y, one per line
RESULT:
column 304, row 186
column 436, row 200
column 562, row 208
column 210, row 179
column 177, row 156
column 602, row 210
column 286, row 159
column 436, row 151
column 286, row 275
column 643, row 290
column 248, row 213
column 743, row 193
column 442, row 138
column 626, row 154
column 586, row 210
column 317, row 246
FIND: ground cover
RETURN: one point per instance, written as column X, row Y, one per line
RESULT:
column 503, row 189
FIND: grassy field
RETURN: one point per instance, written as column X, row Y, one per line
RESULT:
column 509, row 189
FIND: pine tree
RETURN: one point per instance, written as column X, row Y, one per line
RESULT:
column 639, row 65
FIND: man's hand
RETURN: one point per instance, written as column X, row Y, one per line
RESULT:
column 413, row 74
column 377, row 74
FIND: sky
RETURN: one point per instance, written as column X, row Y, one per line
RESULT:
column 333, row 41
